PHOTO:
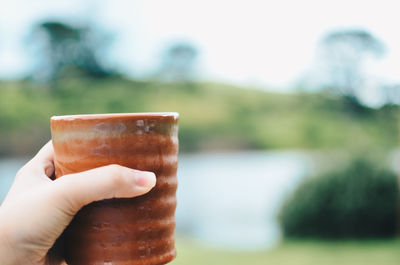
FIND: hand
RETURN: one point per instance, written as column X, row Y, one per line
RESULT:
column 37, row 209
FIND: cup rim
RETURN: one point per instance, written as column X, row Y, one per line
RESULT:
column 174, row 115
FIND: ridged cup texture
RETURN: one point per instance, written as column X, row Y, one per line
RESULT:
column 134, row 231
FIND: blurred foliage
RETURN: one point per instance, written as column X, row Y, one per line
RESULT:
column 213, row 116
column 178, row 63
column 68, row 50
column 342, row 62
column 302, row 252
column 356, row 201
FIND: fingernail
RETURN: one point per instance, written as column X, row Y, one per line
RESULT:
column 146, row 179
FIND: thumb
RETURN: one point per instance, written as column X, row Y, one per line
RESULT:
column 113, row 181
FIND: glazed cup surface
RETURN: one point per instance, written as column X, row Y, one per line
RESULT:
column 134, row 231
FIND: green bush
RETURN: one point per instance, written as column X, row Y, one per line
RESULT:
column 358, row 201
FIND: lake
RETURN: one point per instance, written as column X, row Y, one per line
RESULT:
column 225, row 199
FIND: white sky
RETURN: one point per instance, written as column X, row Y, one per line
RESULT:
column 252, row 42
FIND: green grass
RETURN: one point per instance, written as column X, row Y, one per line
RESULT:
column 294, row 253
column 213, row 116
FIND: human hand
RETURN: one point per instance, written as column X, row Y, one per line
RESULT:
column 37, row 209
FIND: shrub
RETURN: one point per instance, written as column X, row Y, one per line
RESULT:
column 358, row 201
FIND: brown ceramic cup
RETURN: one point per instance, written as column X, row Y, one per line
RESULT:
column 135, row 231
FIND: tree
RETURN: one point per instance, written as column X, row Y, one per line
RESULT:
column 344, row 55
column 66, row 48
column 178, row 62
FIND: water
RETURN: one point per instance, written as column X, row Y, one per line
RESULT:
column 232, row 199
column 225, row 199
column 8, row 169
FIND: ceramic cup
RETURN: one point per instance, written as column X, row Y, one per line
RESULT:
column 134, row 231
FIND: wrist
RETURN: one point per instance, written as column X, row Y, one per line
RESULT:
column 9, row 253
column 6, row 252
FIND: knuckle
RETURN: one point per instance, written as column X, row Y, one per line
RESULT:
column 116, row 175
column 114, row 169
column 118, row 180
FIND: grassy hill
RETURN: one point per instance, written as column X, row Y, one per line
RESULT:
column 293, row 253
column 213, row 116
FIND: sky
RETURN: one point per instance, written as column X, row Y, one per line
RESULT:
column 248, row 42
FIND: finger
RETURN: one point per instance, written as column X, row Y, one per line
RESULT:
column 41, row 165
column 45, row 159
column 113, row 181
column 46, row 152
column 37, row 171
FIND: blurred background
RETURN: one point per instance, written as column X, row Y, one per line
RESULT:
column 289, row 114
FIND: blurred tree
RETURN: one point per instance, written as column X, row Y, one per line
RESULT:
column 67, row 49
column 359, row 200
column 178, row 63
column 344, row 55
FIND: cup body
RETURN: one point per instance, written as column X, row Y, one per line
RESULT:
column 134, row 231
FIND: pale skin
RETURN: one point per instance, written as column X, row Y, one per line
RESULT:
column 37, row 209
